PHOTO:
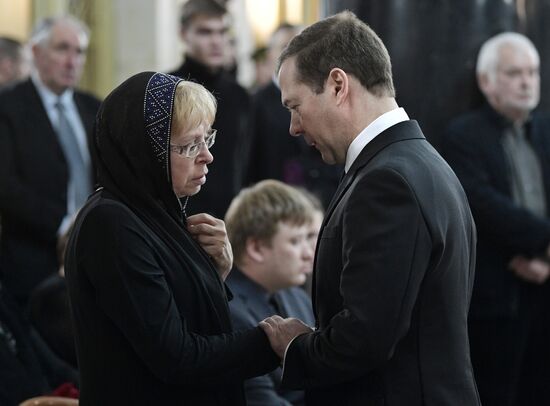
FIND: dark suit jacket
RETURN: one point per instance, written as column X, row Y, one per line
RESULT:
column 150, row 331
column 393, row 276
column 33, row 186
column 249, row 306
column 472, row 146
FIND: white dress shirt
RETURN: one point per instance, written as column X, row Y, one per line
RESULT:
column 49, row 100
column 379, row 125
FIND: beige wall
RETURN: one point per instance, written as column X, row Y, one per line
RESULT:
column 15, row 18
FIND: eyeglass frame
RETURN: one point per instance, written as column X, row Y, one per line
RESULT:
column 185, row 150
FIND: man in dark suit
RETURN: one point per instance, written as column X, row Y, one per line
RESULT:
column 395, row 259
column 203, row 29
column 501, row 154
column 45, row 164
column 268, row 225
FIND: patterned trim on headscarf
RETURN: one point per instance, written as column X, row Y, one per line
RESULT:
column 158, row 107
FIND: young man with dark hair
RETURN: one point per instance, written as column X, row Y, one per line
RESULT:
column 204, row 31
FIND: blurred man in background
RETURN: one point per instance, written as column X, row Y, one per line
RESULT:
column 204, row 32
column 501, row 153
column 45, row 163
column 269, row 227
column 273, row 154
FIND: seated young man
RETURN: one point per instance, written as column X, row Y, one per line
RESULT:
column 268, row 226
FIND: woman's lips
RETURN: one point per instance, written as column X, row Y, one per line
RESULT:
column 201, row 180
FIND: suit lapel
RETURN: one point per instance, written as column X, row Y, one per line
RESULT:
column 405, row 130
column 33, row 105
column 399, row 132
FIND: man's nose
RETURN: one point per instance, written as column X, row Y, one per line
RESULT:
column 295, row 128
column 73, row 59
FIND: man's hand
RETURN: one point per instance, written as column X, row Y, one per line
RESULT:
column 531, row 270
column 211, row 234
column 282, row 331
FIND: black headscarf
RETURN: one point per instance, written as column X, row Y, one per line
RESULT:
column 131, row 144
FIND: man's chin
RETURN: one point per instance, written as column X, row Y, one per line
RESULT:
column 328, row 159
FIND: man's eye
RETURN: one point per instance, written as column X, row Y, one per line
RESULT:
column 192, row 148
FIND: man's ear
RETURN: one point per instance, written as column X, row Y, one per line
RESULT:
column 338, row 84
column 255, row 249
column 183, row 34
column 484, row 83
column 35, row 49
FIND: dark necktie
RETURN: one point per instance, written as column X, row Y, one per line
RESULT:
column 79, row 181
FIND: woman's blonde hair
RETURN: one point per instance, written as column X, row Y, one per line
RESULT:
column 193, row 106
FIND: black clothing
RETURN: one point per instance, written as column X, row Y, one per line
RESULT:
column 151, row 315
column 250, row 305
column 509, row 317
column 28, row 368
column 392, row 281
column 33, row 186
column 226, row 171
column 50, row 315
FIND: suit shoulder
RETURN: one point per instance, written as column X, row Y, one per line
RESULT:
column 541, row 118
column 468, row 126
column 469, row 119
column 15, row 95
column 87, row 98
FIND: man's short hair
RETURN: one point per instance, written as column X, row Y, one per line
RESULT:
column 341, row 41
column 41, row 33
column 10, row 48
column 193, row 8
column 257, row 211
column 489, row 53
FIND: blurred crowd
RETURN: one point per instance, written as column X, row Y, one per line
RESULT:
column 500, row 153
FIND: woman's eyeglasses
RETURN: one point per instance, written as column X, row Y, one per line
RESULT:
column 192, row 150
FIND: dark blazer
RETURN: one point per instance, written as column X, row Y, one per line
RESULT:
column 150, row 331
column 393, row 275
column 249, row 306
column 33, row 186
column 472, row 146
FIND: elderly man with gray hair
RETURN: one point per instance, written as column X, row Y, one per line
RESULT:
column 45, row 163
column 501, row 154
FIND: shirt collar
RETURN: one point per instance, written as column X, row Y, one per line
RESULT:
column 379, row 125
column 48, row 97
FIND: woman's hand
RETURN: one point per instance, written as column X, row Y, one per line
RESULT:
column 211, row 234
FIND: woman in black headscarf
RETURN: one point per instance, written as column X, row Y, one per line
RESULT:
column 145, row 282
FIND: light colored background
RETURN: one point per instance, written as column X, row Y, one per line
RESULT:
column 130, row 36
